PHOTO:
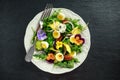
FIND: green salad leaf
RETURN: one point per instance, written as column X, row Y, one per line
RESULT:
column 69, row 27
column 51, row 19
column 66, row 40
column 55, row 13
column 76, row 48
column 67, row 64
column 75, row 22
column 50, row 39
column 40, row 56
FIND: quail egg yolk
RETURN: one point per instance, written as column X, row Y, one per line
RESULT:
column 56, row 34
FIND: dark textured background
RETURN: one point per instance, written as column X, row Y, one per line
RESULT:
column 103, row 61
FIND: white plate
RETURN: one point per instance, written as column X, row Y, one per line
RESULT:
column 43, row 65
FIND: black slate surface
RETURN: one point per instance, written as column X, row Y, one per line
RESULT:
column 103, row 61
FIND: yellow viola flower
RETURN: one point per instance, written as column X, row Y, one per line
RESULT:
column 76, row 30
column 72, row 39
column 54, row 25
column 59, row 44
column 77, row 39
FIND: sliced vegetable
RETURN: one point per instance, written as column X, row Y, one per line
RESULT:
column 67, row 47
column 67, row 57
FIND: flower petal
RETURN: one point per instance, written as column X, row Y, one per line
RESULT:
column 41, row 35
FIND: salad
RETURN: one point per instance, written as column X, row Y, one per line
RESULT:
column 59, row 40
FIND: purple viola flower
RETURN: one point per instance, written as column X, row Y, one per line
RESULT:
column 41, row 35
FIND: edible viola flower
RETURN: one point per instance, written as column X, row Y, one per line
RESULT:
column 54, row 25
column 50, row 57
column 58, row 45
column 77, row 39
column 41, row 35
column 76, row 30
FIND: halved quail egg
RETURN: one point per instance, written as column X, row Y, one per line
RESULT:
column 56, row 34
column 44, row 44
column 61, row 16
column 59, row 57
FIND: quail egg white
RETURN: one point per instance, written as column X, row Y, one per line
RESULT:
column 61, row 16
column 59, row 57
column 44, row 44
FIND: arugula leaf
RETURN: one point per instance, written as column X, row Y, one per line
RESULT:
column 50, row 39
column 47, row 50
column 70, row 64
column 67, row 64
column 47, row 28
column 76, row 48
column 46, row 22
column 40, row 56
column 76, row 60
column 61, row 64
column 76, row 24
column 69, row 27
column 74, row 21
column 80, row 27
column 51, row 19
column 61, row 50
column 56, row 12
column 66, row 40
